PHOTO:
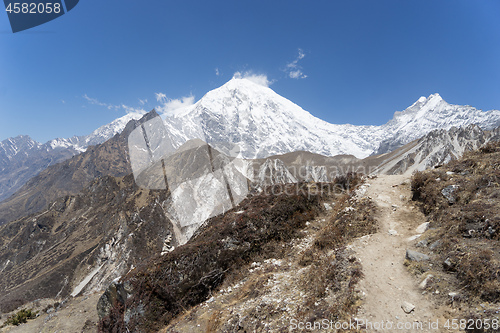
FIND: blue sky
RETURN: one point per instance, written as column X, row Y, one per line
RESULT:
column 348, row 61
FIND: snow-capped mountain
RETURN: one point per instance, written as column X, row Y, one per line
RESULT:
column 21, row 158
column 428, row 114
column 435, row 148
column 263, row 123
column 103, row 133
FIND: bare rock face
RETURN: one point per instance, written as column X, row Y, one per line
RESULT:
column 114, row 294
column 274, row 172
column 82, row 243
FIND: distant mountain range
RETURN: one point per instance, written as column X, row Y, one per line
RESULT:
column 21, row 158
column 261, row 122
column 80, row 220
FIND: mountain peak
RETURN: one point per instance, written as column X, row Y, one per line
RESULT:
column 432, row 97
column 253, row 79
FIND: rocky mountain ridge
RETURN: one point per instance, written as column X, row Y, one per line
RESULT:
column 71, row 175
column 262, row 124
column 22, row 158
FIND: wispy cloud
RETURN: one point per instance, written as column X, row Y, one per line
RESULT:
column 96, row 102
column 171, row 106
column 217, row 72
column 161, row 97
column 143, row 101
column 126, row 108
column 293, row 68
column 260, row 79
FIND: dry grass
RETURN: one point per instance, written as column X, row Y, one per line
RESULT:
column 335, row 271
column 221, row 252
column 169, row 285
column 467, row 229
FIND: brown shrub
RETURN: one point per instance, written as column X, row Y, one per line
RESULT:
column 468, row 230
column 169, row 285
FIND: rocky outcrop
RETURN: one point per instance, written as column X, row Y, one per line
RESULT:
column 69, row 177
column 84, row 242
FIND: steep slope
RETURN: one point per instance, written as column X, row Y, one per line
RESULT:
column 461, row 203
column 22, row 158
column 436, row 148
column 263, row 227
column 70, row 176
column 83, row 242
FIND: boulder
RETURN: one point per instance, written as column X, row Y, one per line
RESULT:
column 416, row 256
column 448, row 193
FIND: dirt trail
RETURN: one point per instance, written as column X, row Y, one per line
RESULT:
column 387, row 283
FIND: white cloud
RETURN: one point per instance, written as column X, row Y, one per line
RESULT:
column 293, row 68
column 217, row 72
column 126, row 108
column 143, row 101
column 94, row 101
column 172, row 106
column 160, row 97
column 260, row 79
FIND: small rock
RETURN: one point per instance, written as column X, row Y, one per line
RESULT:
column 448, row 193
column 327, row 206
column 453, row 294
column 392, row 232
column 449, row 173
column 407, row 307
column 423, row 243
column 448, row 265
column 425, row 282
column 434, row 245
column 412, row 238
column 423, row 227
column 416, row 256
